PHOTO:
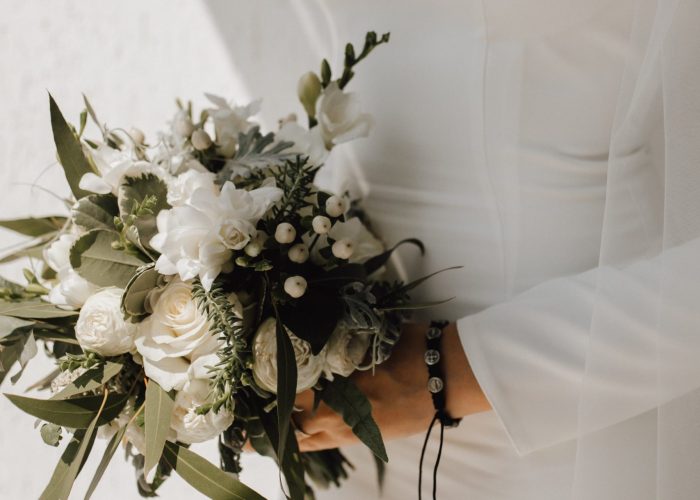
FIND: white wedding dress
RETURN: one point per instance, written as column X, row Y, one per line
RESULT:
column 547, row 147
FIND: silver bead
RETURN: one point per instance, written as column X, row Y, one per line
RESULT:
column 433, row 332
column 431, row 357
column 435, row 384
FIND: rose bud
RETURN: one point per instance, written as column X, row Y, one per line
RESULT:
column 335, row 206
column 201, row 140
column 295, row 286
column 285, row 233
column 299, row 253
column 308, row 90
column 343, row 249
column 321, row 224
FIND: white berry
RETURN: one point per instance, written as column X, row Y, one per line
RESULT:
column 201, row 140
column 252, row 249
column 335, row 206
column 321, row 224
column 299, row 253
column 137, row 136
column 295, row 286
column 343, row 249
column 285, row 233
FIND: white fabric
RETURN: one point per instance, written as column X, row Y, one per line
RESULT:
column 549, row 147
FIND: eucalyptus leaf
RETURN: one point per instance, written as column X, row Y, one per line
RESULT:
column 73, row 458
column 76, row 413
column 51, row 434
column 29, row 350
column 96, row 211
column 8, row 325
column 343, row 397
column 92, row 379
column 32, row 248
column 159, row 407
column 106, row 458
column 70, row 151
column 93, row 257
column 34, row 309
column 205, row 477
column 34, row 226
column 137, row 290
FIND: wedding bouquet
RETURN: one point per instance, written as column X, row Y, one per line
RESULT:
column 200, row 282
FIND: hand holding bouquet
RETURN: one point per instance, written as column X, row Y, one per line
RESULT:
column 200, row 282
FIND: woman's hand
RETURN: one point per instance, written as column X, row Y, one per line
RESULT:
column 401, row 403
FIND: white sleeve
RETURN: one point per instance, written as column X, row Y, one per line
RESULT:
column 584, row 352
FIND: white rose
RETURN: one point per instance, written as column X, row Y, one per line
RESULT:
column 345, row 350
column 101, row 326
column 191, row 427
column 70, row 289
column 340, row 117
column 175, row 336
column 309, row 367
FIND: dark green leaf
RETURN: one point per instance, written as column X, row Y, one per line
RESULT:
column 377, row 262
column 314, row 316
column 96, row 211
column 33, row 309
column 92, row 379
column 76, row 413
column 412, row 306
column 70, row 151
column 136, row 292
column 159, row 407
column 286, row 384
column 73, row 458
column 8, row 325
column 206, row 477
column 343, row 397
column 34, row 227
column 106, row 458
column 93, row 257
column 413, row 284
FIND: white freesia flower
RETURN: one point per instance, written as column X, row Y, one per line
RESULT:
column 101, row 326
column 306, row 142
column 112, row 166
column 365, row 245
column 71, row 289
column 309, row 367
column 175, row 340
column 182, row 187
column 191, row 427
column 229, row 121
column 346, row 350
column 340, row 116
column 197, row 239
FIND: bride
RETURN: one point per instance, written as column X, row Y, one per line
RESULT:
column 550, row 148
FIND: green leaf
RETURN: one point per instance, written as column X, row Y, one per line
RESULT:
column 205, row 477
column 32, row 248
column 314, row 316
column 137, row 290
column 51, row 434
column 92, row 379
column 286, row 383
column 73, row 458
column 377, row 262
column 413, row 284
column 96, row 211
column 93, row 257
column 343, row 397
column 70, row 151
column 33, row 226
column 76, row 413
column 143, row 197
column 33, row 309
column 8, row 325
column 159, row 407
column 106, row 458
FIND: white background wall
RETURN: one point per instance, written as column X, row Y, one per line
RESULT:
column 131, row 58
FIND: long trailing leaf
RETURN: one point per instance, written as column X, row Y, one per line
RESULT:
column 286, row 383
column 206, row 477
column 92, row 379
column 159, row 406
column 413, row 306
column 70, row 151
column 76, row 413
column 34, row 226
column 9, row 325
column 413, row 284
column 94, row 258
column 72, row 460
column 34, row 309
column 343, row 397
column 375, row 263
column 106, row 458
